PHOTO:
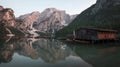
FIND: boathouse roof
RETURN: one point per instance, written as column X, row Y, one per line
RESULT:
column 100, row 30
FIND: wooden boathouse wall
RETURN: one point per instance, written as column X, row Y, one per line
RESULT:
column 94, row 34
column 106, row 35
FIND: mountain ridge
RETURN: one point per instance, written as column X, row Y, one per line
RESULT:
column 104, row 14
column 50, row 20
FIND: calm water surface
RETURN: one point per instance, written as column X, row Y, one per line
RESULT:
column 54, row 53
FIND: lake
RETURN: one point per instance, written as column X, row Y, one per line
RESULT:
column 30, row 52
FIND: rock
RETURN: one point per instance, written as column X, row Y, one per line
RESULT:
column 7, row 22
column 52, row 20
column 7, row 16
column 26, row 22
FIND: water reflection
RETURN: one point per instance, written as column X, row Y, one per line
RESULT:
column 103, row 55
column 54, row 53
column 6, row 53
column 46, row 49
column 38, row 52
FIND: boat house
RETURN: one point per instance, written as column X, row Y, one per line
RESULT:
column 94, row 34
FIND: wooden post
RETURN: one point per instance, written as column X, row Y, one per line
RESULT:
column 74, row 35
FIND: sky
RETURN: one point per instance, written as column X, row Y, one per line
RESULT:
column 22, row 7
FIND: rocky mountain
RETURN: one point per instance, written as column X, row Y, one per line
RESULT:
column 25, row 22
column 52, row 20
column 7, row 16
column 103, row 14
column 7, row 22
column 100, row 4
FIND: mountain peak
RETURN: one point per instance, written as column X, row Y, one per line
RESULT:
column 51, row 10
column 1, row 8
column 105, row 4
column 35, row 12
column 108, row 2
column 50, row 20
column 104, row 14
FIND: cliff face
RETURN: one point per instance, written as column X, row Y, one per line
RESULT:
column 7, row 16
column 7, row 22
column 52, row 20
column 103, row 14
column 28, row 19
column 25, row 22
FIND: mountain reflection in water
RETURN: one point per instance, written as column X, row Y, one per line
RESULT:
column 38, row 52
column 54, row 53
